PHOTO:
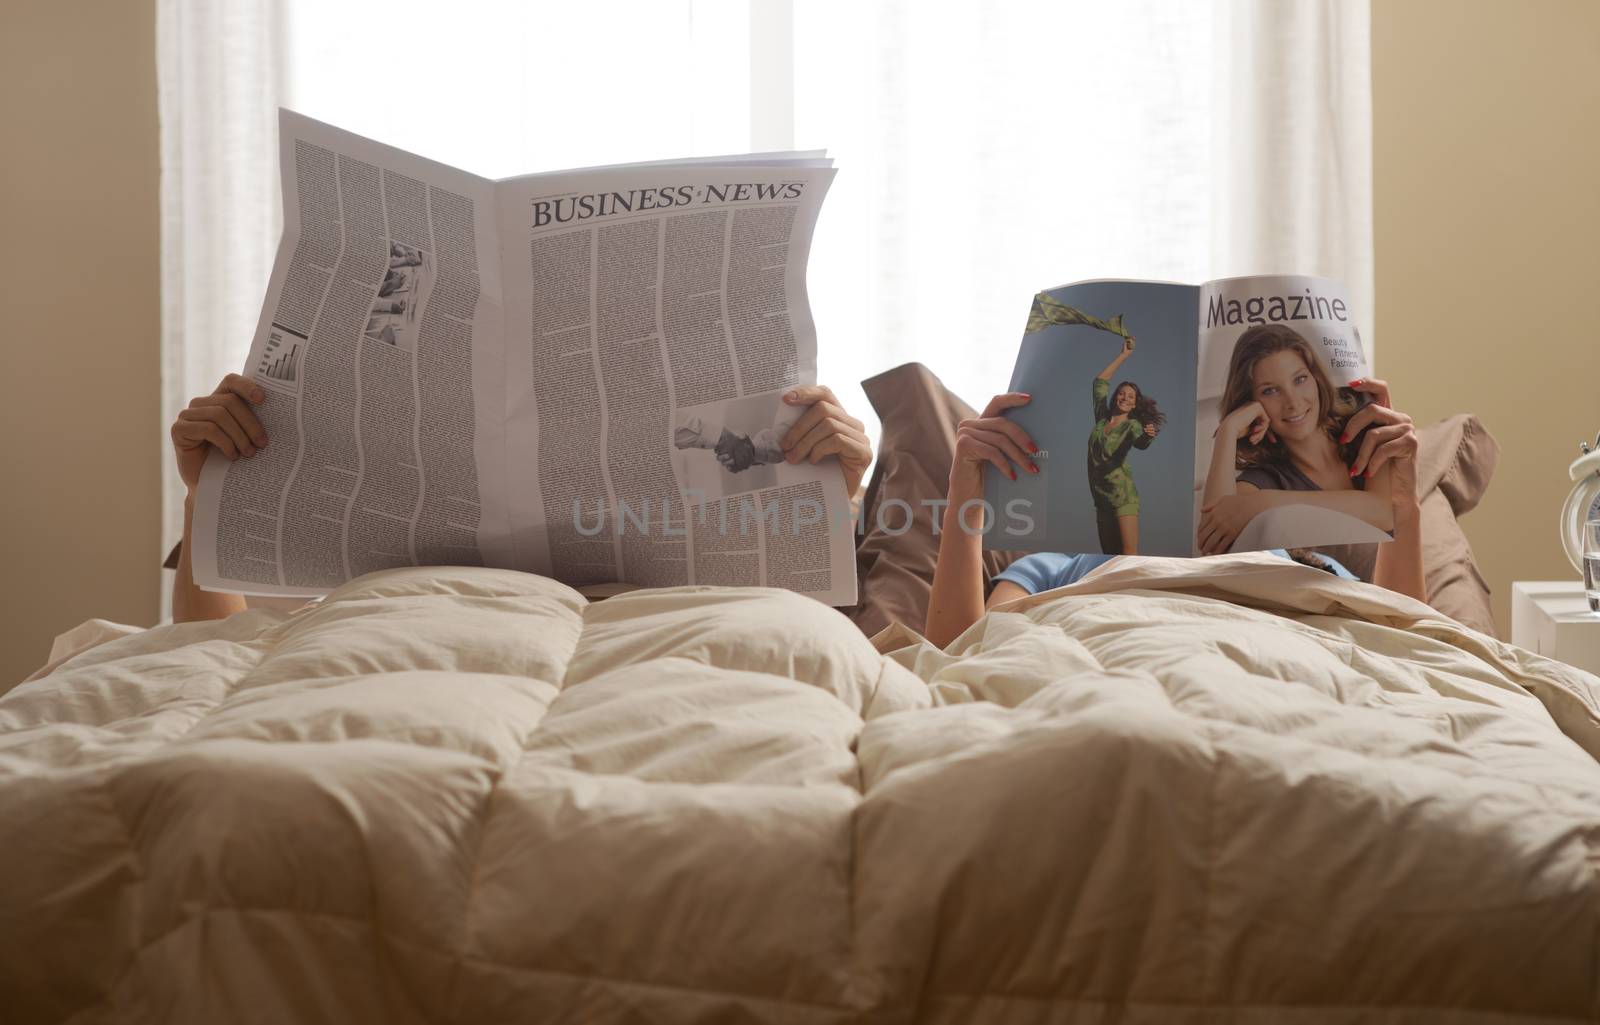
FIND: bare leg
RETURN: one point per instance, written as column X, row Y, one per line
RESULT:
column 1110, row 533
column 1129, row 526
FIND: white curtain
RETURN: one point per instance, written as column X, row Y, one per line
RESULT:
column 219, row 74
column 990, row 150
column 987, row 150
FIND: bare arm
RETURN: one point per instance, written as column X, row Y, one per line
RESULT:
column 1399, row 566
column 957, row 598
column 1371, row 505
column 1388, row 458
column 1246, row 421
column 223, row 420
column 189, row 602
column 1117, row 361
column 1220, row 478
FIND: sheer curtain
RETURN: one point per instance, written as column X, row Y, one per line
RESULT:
column 990, row 150
column 219, row 73
column 986, row 150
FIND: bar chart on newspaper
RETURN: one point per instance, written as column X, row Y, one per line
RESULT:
column 282, row 355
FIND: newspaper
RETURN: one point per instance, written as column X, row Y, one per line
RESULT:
column 578, row 374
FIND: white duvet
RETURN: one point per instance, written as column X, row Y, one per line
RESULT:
column 1229, row 790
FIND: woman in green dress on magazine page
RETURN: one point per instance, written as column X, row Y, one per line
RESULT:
column 1124, row 419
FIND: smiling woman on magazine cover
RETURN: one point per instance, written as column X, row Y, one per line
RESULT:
column 1286, row 438
column 1124, row 419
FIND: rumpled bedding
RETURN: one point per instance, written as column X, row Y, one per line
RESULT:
column 1232, row 789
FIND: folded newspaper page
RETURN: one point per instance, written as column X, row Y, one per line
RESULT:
column 578, row 374
column 1180, row 419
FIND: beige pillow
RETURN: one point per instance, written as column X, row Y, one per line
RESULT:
column 1456, row 461
column 894, row 566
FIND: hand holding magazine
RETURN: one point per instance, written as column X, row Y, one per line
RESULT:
column 1189, row 420
column 581, row 374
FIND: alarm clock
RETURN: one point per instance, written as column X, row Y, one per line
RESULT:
column 1583, row 502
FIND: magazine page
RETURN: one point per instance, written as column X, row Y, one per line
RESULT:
column 1110, row 366
column 379, row 348
column 1269, row 470
column 656, row 315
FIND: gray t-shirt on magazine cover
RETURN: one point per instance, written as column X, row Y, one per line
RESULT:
column 1275, row 477
column 1360, row 559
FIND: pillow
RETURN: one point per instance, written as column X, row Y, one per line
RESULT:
column 895, row 566
column 1457, row 458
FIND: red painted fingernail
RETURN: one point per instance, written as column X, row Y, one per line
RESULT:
column 1012, row 474
column 1369, row 473
column 1032, row 448
column 1344, row 439
column 1354, row 472
column 1032, row 468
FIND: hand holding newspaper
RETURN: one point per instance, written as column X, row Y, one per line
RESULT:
column 577, row 373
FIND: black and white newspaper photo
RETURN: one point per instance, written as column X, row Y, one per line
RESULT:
column 729, row 448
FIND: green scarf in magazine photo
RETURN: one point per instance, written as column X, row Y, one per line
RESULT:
column 1048, row 310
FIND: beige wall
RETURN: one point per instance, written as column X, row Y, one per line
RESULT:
column 1486, row 203
column 79, row 272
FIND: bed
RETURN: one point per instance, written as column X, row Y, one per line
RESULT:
column 1240, row 790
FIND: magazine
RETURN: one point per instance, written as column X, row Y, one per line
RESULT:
column 1162, row 410
column 577, row 373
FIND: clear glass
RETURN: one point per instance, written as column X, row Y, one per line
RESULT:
column 1591, row 563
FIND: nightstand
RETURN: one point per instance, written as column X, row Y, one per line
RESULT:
column 1552, row 617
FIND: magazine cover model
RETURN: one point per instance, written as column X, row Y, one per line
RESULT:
column 1188, row 420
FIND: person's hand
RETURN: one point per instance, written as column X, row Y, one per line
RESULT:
column 1248, row 421
column 1392, row 442
column 1127, row 345
column 1149, row 430
column 825, row 429
column 1222, row 520
column 990, row 439
column 224, row 420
